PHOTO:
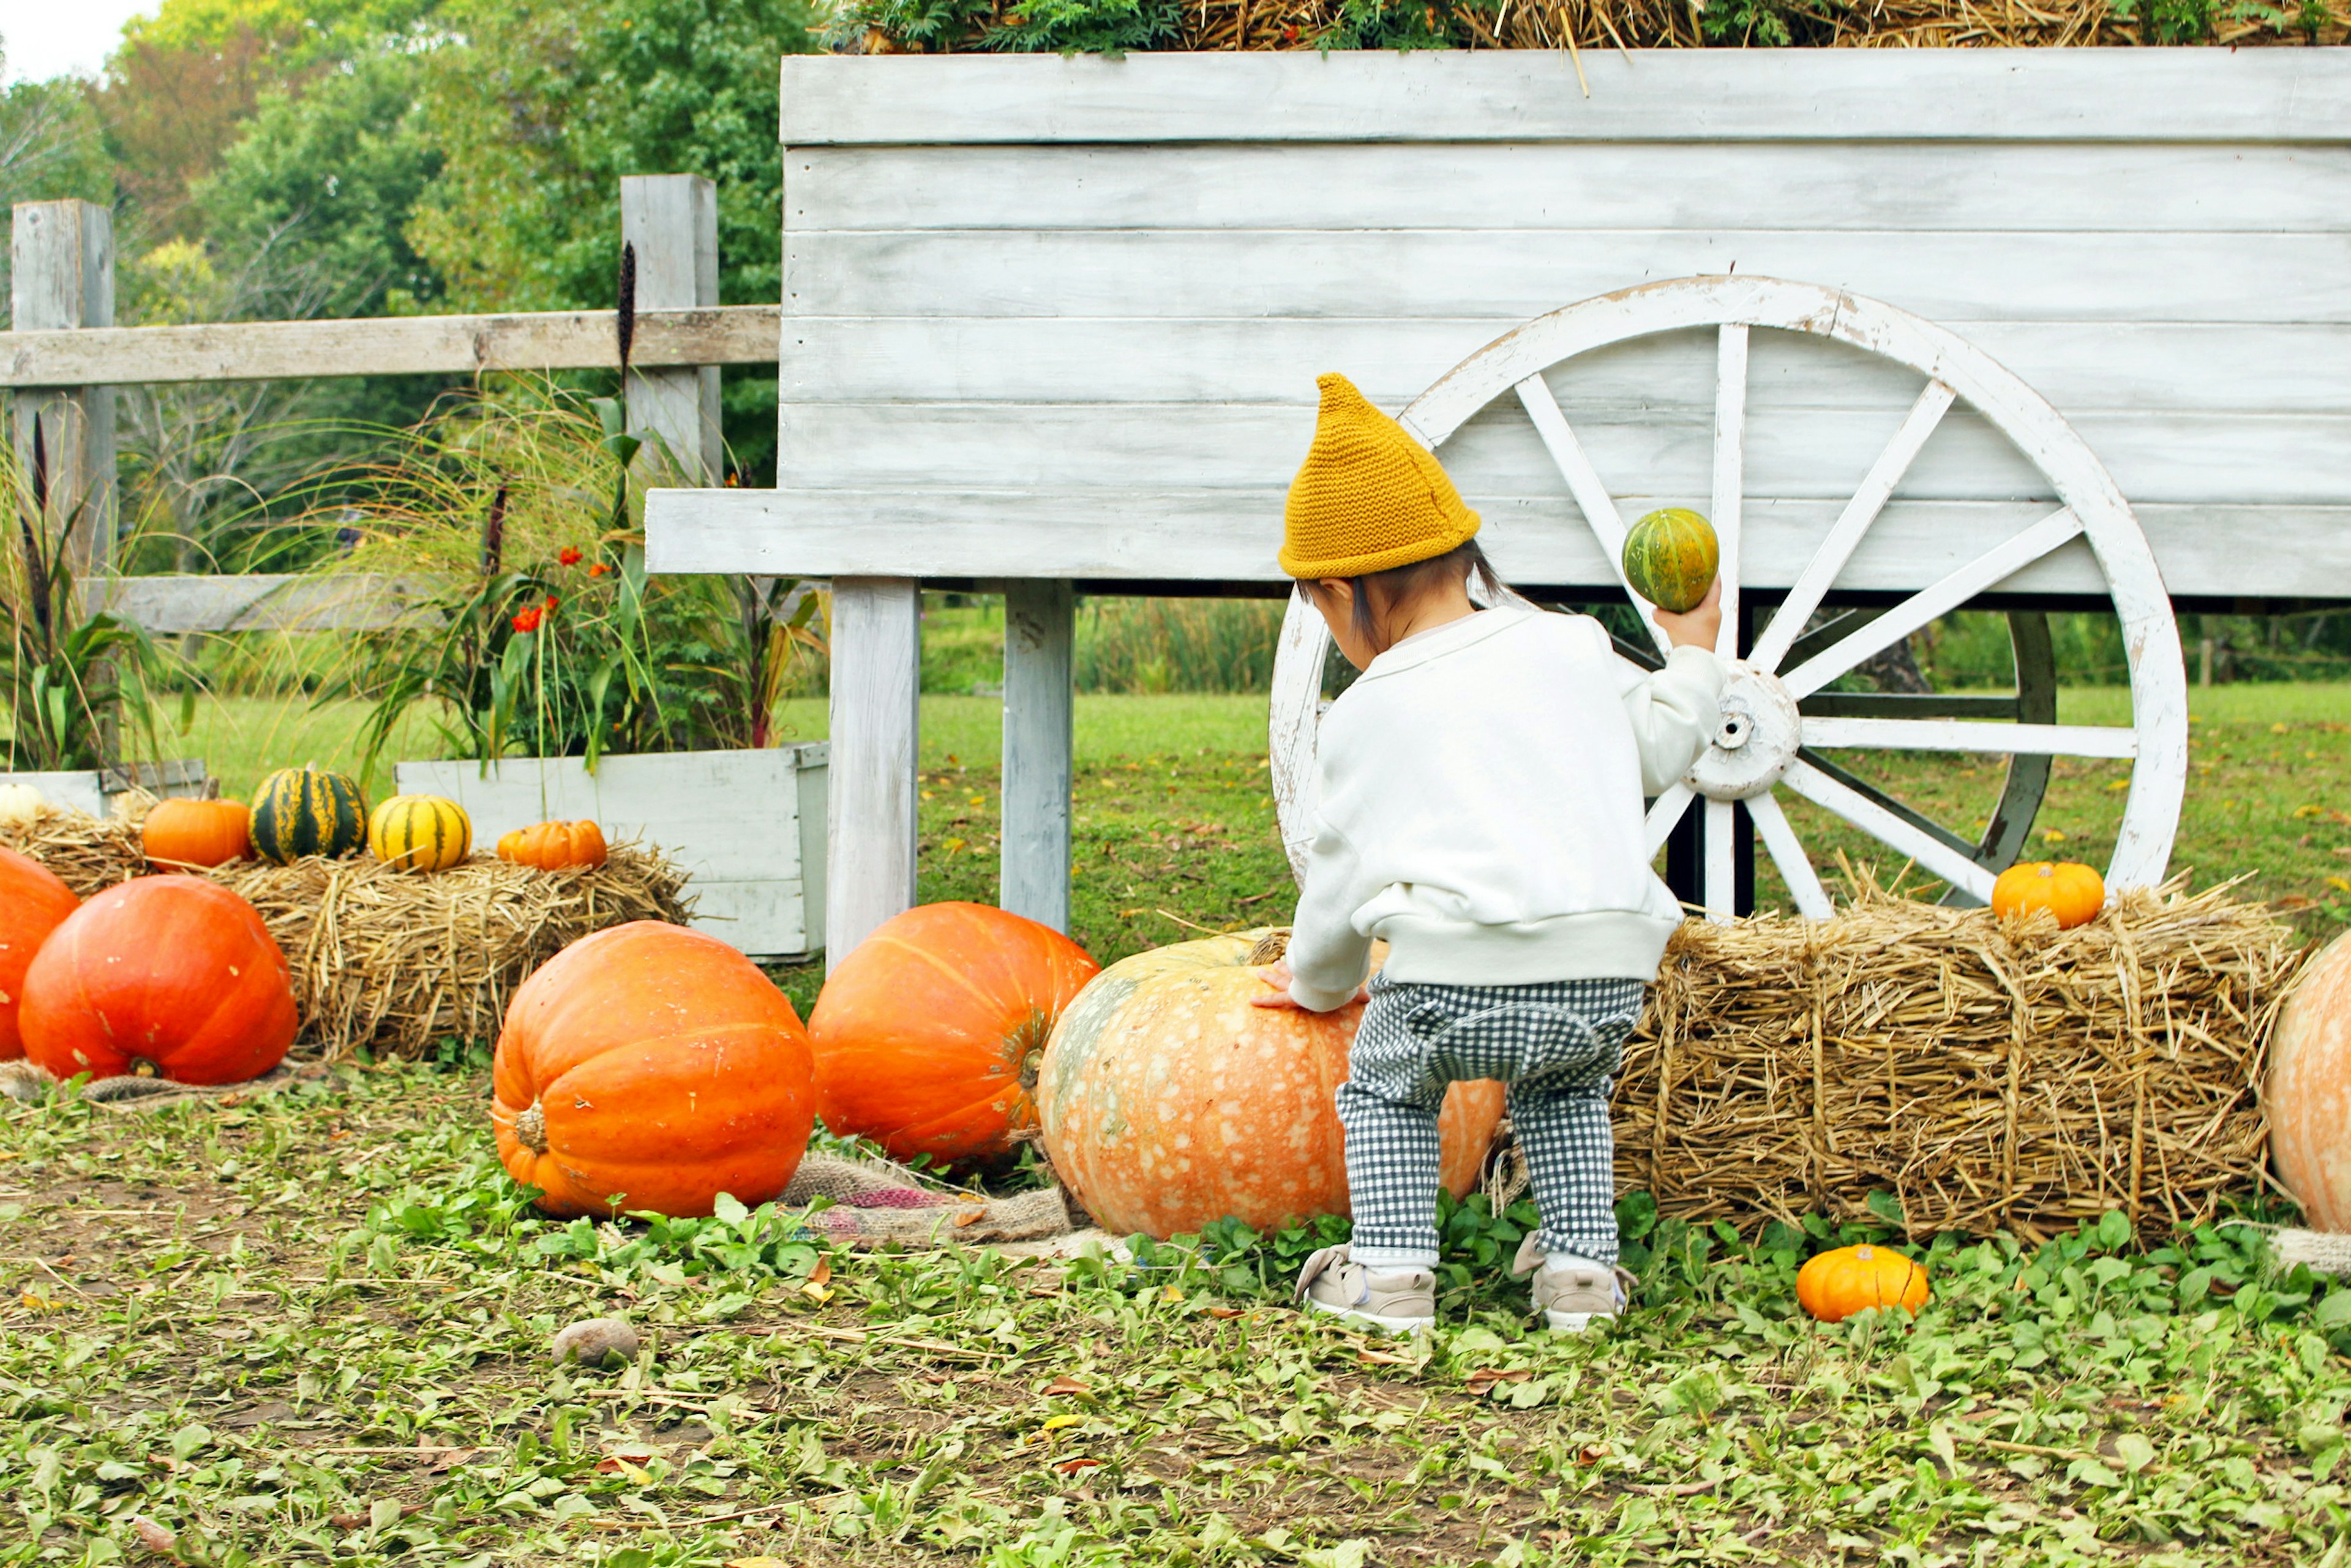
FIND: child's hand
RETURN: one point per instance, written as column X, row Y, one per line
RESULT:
column 1277, row 975
column 1696, row 627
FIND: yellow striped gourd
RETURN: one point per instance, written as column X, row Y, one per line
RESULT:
column 420, row 832
column 308, row 811
column 1671, row 557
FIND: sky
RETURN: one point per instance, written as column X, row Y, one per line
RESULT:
column 56, row 37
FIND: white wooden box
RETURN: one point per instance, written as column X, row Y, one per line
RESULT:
column 93, row 793
column 746, row 827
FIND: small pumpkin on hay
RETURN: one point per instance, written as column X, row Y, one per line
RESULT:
column 555, row 846
column 2072, row 892
column 180, row 834
column 307, row 811
column 420, row 832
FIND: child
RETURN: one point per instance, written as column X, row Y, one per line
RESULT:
column 1480, row 811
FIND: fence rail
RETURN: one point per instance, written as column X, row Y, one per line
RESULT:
column 415, row 345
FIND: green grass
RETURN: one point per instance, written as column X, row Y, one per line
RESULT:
column 313, row 1327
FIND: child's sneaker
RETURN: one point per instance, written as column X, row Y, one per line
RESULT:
column 1401, row 1301
column 1571, row 1291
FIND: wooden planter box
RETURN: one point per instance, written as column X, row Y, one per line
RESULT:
column 746, row 827
column 94, row 792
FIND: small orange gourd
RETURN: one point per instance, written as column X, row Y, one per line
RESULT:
column 181, row 833
column 2072, row 892
column 1836, row 1285
column 554, row 846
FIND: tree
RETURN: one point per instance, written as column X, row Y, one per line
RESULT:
column 51, row 147
column 547, row 104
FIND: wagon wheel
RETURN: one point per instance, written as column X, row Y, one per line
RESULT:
column 1777, row 715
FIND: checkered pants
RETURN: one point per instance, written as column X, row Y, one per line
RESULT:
column 1556, row 1044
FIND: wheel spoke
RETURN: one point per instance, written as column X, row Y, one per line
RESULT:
column 1665, row 814
column 1779, row 836
column 1844, row 535
column 1901, row 809
column 1930, row 852
column 1908, row 705
column 1960, row 734
column 1953, row 591
column 1592, row 496
column 1730, row 476
column 1721, row 882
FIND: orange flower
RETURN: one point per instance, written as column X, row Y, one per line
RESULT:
column 599, row 569
column 552, row 602
column 527, row 620
column 568, row 557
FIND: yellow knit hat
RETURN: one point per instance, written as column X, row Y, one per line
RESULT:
column 1368, row 497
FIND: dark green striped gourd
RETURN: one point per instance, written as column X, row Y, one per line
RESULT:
column 1671, row 557
column 308, row 811
column 420, row 832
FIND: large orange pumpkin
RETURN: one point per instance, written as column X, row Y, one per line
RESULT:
column 2072, row 892
column 33, row 903
column 197, row 832
column 2307, row 1097
column 1168, row 1101
column 648, row 1067
column 928, row 1035
column 1835, row 1284
column 172, row 976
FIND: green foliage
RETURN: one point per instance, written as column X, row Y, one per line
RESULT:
column 556, row 643
column 51, row 147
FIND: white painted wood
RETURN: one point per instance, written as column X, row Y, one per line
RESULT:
column 1592, row 498
column 1720, row 879
column 1807, row 453
column 730, row 819
column 94, row 791
column 269, row 601
column 61, row 261
column 672, row 222
column 1787, row 852
column 877, row 644
column 1877, row 488
column 1224, row 536
column 1664, row 815
column 1669, row 94
column 396, row 345
column 2086, row 368
column 1730, row 478
column 1951, row 277
column 1888, row 829
column 1570, row 188
column 1967, row 734
column 1040, row 628
column 1937, row 600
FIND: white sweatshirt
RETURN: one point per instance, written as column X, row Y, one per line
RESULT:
column 1480, row 806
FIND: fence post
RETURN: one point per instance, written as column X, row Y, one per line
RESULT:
column 1039, row 622
column 877, row 651
column 673, row 221
column 62, row 258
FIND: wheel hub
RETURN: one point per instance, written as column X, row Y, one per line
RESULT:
column 1754, row 740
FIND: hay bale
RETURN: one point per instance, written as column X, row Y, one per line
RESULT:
column 1990, row 1076
column 391, row 960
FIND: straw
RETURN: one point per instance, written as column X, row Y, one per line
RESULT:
column 1989, row 1074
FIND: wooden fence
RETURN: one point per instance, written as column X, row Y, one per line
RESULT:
column 63, row 356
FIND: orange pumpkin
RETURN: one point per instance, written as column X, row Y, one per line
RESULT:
column 181, row 833
column 1168, row 1101
column 928, row 1035
column 2073, row 894
column 554, row 846
column 33, row 903
column 1833, row 1286
column 648, row 1067
column 174, row 976
column 2307, row 1095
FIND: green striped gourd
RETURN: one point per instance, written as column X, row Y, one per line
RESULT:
column 308, row 811
column 1671, row 557
column 420, row 832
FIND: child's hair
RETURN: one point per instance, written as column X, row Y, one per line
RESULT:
column 1401, row 583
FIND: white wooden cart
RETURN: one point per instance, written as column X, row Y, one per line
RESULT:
column 1909, row 326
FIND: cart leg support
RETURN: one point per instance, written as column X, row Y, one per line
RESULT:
column 1040, row 619
column 877, row 656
